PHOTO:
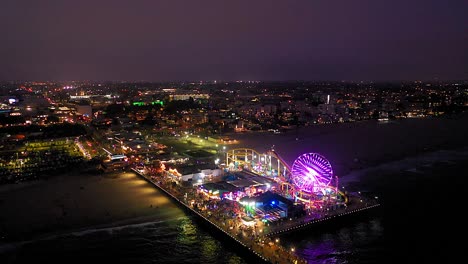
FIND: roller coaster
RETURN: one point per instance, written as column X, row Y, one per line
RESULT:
column 267, row 164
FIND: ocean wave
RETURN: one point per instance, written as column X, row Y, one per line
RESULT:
column 109, row 228
column 112, row 229
column 415, row 164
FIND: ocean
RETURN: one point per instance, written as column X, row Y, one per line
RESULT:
column 421, row 193
column 177, row 240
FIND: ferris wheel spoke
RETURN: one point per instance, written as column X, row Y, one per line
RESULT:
column 311, row 172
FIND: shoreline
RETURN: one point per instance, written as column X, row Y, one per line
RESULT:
column 122, row 221
column 118, row 224
column 118, row 191
column 80, row 202
column 328, row 134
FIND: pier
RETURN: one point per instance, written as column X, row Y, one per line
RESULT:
column 261, row 245
column 201, row 216
column 293, row 225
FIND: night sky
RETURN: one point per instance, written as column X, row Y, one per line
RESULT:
column 233, row 39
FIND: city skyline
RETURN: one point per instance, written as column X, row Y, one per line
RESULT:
column 212, row 40
column 208, row 131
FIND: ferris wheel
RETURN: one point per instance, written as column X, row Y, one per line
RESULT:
column 311, row 172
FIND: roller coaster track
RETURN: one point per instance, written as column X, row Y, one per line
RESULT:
column 264, row 164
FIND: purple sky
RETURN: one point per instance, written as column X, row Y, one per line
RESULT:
column 233, row 39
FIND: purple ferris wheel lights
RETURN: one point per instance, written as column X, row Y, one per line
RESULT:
column 311, row 172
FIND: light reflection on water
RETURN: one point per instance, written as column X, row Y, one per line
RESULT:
column 177, row 240
column 350, row 241
column 356, row 240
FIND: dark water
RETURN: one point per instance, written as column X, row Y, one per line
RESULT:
column 420, row 221
column 173, row 241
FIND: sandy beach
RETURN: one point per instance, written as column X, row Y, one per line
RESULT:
column 76, row 201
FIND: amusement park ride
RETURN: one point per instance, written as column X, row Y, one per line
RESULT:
column 309, row 180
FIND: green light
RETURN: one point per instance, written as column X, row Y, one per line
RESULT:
column 157, row 102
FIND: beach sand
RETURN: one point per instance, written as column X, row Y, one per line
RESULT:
column 74, row 201
column 77, row 201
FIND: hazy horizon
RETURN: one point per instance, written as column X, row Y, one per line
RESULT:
column 237, row 81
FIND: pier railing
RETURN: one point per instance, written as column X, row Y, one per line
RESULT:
column 188, row 207
column 284, row 256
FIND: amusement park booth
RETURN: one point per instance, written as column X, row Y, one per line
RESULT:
column 195, row 175
column 219, row 190
column 273, row 206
